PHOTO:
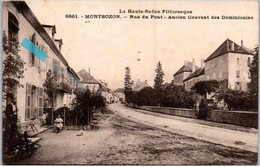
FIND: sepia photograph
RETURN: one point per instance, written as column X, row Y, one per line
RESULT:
column 129, row 82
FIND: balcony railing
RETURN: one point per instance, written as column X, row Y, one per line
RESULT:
column 64, row 85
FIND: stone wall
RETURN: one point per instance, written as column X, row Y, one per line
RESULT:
column 241, row 118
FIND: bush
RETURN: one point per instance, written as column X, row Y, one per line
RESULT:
column 172, row 96
column 238, row 100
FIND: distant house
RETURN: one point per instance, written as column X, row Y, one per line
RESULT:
column 187, row 69
column 139, row 85
column 120, row 93
column 88, row 82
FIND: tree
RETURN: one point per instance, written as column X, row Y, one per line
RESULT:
column 128, row 84
column 176, row 96
column 50, row 89
column 13, row 64
column 158, row 80
column 204, row 87
column 253, row 84
column 13, row 71
column 84, row 103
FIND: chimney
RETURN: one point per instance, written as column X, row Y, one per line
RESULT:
column 193, row 66
column 185, row 62
column 202, row 63
column 232, row 46
column 242, row 43
column 89, row 70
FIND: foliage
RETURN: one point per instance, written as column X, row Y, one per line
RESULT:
column 253, row 84
column 158, row 80
column 204, row 87
column 172, row 96
column 84, row 103
column 13, row 64
column 13, row 71
column 176, row 96
column 146, row 96
column 128, row 85
column 50, row 89
column 237, row 99
column 128, row 82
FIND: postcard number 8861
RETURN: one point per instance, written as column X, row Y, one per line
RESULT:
column 71, row 16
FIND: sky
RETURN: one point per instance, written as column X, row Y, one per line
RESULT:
column 107, row 46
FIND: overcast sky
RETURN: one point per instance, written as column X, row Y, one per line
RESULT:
column 108, row 46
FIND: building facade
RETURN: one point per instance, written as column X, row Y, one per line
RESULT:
column 88, row 82
column 228, row 62
column 187, row 69
column 20, row 23
column 139, row 85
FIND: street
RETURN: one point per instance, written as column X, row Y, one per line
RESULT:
column 118, row 140
column 188, row 127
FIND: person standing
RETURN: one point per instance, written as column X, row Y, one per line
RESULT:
column 10, row 131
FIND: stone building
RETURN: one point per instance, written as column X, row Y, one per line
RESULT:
column 120, row 93
column 88, row 82
column 187, row 69
column 139, row 85
column 228, row 62
column 20, row 23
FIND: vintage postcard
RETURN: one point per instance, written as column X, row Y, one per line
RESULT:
column 130, row 82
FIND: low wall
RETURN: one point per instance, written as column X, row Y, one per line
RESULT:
column 183, row 112
column 241, row 118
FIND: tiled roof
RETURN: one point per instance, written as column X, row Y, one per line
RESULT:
column 186, row 68
column 86, row 77
column 140, row 85
column 200, row 71
column 226, row 47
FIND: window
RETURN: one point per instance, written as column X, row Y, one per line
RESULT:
column 13, row 26
column 238, row 85
column 238, row 74
column 248, row 61
column 56, row 69
column 237, row 61
column 62, row 72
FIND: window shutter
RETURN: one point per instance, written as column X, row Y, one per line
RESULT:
column 40, row 105
column 28, row 101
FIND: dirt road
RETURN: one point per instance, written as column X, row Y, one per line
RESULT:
column 121, row 141
column 233, row 138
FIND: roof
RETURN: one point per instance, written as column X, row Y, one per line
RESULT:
column 31, row 18
column 164, row 86
column 73, row 72
column 103, row 87
column 86, row 77
column 226, row 47
column 186, row 68
column 59, row 40
column 198, row 72
column 140, row 85
column 50, row 26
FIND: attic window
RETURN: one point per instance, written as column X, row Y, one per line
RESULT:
column 13, row 26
